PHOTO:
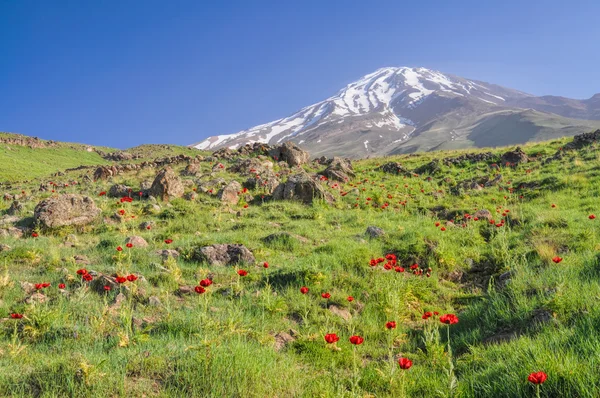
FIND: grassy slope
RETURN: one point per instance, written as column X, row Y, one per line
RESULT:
column 221, row 344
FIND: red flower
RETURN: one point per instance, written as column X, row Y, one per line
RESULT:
column 592, row 217
column 537, row 377
column 16, row 316
column 107, row 288
column 242, row 272
column 87, row 277
column 121, row 279
column 131, row 278
column 119, row 249
column 436, row 313
column 168, row 241
column 553, row 205
column 303, row 290
column 265, row 265
column 449, row 319
column 427, row 315
column 390, row 325
column 437, row 224
column 34, row 235
column 205, row 282
column 443, row 229
column 199, row 289
column 129, row 245
column 557, row 259
column 350, row 299
column 122, row 212
column 399, row 269
column 356, row 340
column 102, row 193
column 405, row 363
column 39, row 286
column 331, row 338
column 148, row 227
column 61, row 286
column 326, row 295
column 82, row 271
column 46, row 284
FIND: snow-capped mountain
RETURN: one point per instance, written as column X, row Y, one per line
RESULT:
column 396, row 110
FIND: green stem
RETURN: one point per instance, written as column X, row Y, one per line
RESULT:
column 537, row 390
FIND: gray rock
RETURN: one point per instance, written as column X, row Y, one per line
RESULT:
column 66, row 209
column 166, row 185
column 224, row 254
column 230, row 193
column 136, row 241
column 301, row 187
column 374, row 232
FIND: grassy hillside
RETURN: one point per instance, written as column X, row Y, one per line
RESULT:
column 520, row 310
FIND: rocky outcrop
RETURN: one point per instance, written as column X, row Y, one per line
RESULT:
column 252, row 166
column 470, row 158
column 166, row 185
column 67, row 209
column 191, row 170
column 290, row 153
column 431, row 168
column 119, row 191
column 266, row 182
column 339, row 169
column 395, row 168
column 301, row 187
column 230, row 193
column 223, row 254
column 515, row 157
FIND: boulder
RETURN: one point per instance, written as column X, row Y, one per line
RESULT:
column 394, row 168
column 251, row 166
column 266, row 181
column 118, row 191
column 136, row 241
column 224, row 254
column 290, row 153
column 166, row 253
column 102, row 173
column 166, row 185
column 483, row 214
column 339, row 169
column 512, row 158
column 230, row 193
column 301, row 187
column 191, row 170
column 15, row 208
column 374, row 232
column 66, row 209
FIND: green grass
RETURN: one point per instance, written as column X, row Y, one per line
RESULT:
column 221, row 344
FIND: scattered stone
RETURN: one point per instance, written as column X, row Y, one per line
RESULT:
column 191, row 170
column 66, row 209
column 166, row 185
column 431, row 168
column 515, row 157
column 290, row 153
column 166, row 253
column 230, row 193
column 395, row 168
column 36, row 298
column 374, row 232
column 136, row 241
column 224, row 254
column 119, row 191
column 339, row 169
column 483, row 214
column 81, row 259
column 282, row 339
column 303, row 188
column 341, row 312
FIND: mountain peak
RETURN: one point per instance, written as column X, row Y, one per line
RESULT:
column 382, row 112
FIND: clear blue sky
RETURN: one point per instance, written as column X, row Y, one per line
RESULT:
column 126, row 72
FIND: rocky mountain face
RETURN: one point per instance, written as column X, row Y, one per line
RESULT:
column 403, row 110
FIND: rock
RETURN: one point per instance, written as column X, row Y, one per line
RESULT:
column 224, row 254
column 81, row 259
column 374, row 232
column 146, row 225
column 290, row 153
column 339, row 169
column 583, row 140
column 154, row 301
column 301, row 187
column 394, row 168
column 8, row 197
column 15, row 208
column 14, row 232
column 7, row 220
column 431, row 168
column 470, row 158
column 230, row 193
column 166, row 185
column 184, row 290
column 136, row 241
column 118, row 156
column 282, row 339
column 102, row 173
column 283, row 237
column 119, row 191
column 36, row 298
column 266, row 181
column 252, row 166
column 483, row 214
column 191, row 196
column 66, row 209
column 341, row 312
column 191, row 170
column 166, row 253
column 515, row 157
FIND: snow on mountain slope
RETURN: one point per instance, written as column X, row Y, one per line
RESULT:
column 382, row 96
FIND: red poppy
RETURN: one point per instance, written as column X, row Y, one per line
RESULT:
column 16, row 316
column 61, row 286
column 350, row 299
column 122, row 212
column 119, row 249
column 437, row 224
column 107, row 288
column 443, row 229
column 34, row 235
column 265, row 265
column 303, row 290
column 199, row 289
column 399, row 269
column 427, row 315
column 129, row 245
column 557, row 259
column 405, row 363
column 82, row 271
column 356, row 340
column 390, row 325
column 242, row 272
column 331, row 338
column 121, row 279
column 205, row 282
column 168, row 241
column 87, row 277
column 326, row 295
column 537, row 377
column 449, row 319
column 148, row 227
column 436, row 313
column 592, row 217
column 131, row 278
column 102, row 193
column 39, row 286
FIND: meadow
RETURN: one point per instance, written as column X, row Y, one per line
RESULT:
column 522, row 282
